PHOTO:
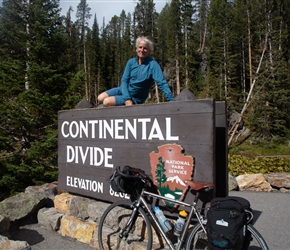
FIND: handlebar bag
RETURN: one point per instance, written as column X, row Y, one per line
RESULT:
column 124, row 181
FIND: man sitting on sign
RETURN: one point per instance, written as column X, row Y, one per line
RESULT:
column 138, row 78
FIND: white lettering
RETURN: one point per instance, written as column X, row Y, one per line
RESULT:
column 89, row 185
column 62, row 129
column 101, row 129
column 109, row 128
column 107, row 157
column 68, row 178
column 143, row 122
column 84, row 129
column 158, row 134
column 84, row 155
column 132, row 128
column 175, row 171
column 70, row 153
column 93, row 125
column 74, row 127
column 98, row 160
column 97, row 156
column 117, row 194
column 75, row 182
column 177, row 162
column 120, row 129
column 169, row 137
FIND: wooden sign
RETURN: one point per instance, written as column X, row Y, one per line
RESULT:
column 92, row 142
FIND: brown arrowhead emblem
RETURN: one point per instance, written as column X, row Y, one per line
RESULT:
column 170, row 168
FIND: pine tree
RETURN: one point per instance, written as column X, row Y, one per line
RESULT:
column 268, row 113
column 94, row 61
column 32, row 83
column 76, row 78
column 145, row 18
column 161, row 45
column 83, row 15
column 197, row 48
column 174, row 42
column 220, row 26
column 160, row 172
column 187, row 12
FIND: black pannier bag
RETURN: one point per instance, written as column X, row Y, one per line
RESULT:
column 123, row 180
column 227, row 223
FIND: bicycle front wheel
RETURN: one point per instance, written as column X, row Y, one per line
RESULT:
column 197, row 239
column 112, row 233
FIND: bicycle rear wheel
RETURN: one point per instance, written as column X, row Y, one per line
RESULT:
column 197, row 239
column 111, row 228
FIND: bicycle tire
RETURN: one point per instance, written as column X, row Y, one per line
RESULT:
column 197, row 239
column 112, row 221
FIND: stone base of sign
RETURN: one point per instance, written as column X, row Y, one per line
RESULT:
column 80, row 230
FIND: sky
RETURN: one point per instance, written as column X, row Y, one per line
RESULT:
column 107, row 8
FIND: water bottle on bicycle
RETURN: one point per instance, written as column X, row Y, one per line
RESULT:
column 164, row 223
column 180, row 223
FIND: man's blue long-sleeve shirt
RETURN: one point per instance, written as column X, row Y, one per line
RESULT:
column 138, row 79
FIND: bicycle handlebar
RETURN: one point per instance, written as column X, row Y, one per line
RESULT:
column 138, row 173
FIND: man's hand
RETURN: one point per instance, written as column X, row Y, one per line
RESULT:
column 129, row 103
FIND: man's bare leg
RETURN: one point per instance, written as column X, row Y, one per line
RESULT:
column 106, row 100
column 102, row 96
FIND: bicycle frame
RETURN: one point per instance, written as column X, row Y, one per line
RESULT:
column 193, row 211
column 142, row 207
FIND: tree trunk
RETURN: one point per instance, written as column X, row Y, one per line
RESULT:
column 27, row 51
column 202, row 38
column 186, row 58
column 86, row 74
column 246, row 104
column 157, row 93
column 250, row 50
column 225, row 69
column 177, row 66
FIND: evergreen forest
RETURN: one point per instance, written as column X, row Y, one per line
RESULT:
column 236, row 51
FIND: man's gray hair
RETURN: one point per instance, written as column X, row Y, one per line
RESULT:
column 146, row 40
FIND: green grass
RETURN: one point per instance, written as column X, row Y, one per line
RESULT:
column 263, row 158
column 261, row 150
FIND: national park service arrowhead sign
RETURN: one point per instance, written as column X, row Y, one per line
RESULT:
column 170, row 169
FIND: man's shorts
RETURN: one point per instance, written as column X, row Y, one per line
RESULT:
column 117, row 93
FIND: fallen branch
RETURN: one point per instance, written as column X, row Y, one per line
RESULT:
column 246, row 105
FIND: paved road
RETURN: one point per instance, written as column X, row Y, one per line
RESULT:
column 274, row 220
column 273, row 223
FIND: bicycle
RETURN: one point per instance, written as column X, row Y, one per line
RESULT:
column 128, row 224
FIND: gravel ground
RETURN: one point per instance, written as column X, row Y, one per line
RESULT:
column 40, row 238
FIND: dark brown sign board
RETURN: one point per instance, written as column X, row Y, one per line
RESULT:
column 92, row 142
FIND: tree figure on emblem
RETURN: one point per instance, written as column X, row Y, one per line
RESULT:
column 160, row 172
